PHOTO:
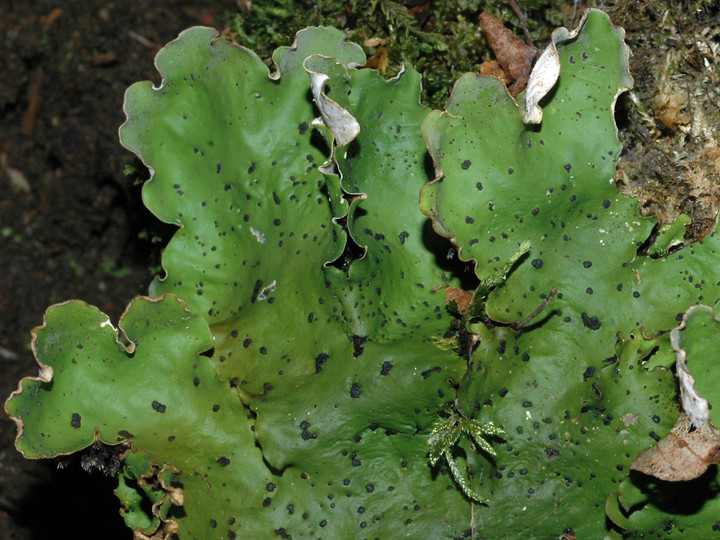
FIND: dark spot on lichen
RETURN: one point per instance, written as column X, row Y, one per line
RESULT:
column 568, row 167
column 357, row 345
column 386, row 367
column 256, row 290
column 587, row 264
column 159, row 407
column 466, row 164
column 537, row 263
column 282, row 533
column 425, row 374
column 591, row 322
column 469, row 220
column 355, row 390
column 320, row 359
column 589, row 373
column 403, row 236
column 76, row 420
column 223, row 461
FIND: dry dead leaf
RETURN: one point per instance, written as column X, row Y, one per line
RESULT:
column 684, row 454
column 461, row 297
column 375, row 41
column 513, row 55
column 379, row 60
column 492, row 69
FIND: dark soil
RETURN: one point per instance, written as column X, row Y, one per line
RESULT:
column 70, row 222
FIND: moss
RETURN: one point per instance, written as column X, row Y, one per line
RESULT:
column 441, row 40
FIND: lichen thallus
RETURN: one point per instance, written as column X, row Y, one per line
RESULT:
column 453, row 424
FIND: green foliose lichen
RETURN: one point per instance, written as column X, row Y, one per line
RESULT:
column 296, row 371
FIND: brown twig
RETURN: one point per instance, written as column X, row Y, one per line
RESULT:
column 142, row 40
column 28, row 118
column 53, row 16
column 541, row 307
column 711, row 99
column 523, row 22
